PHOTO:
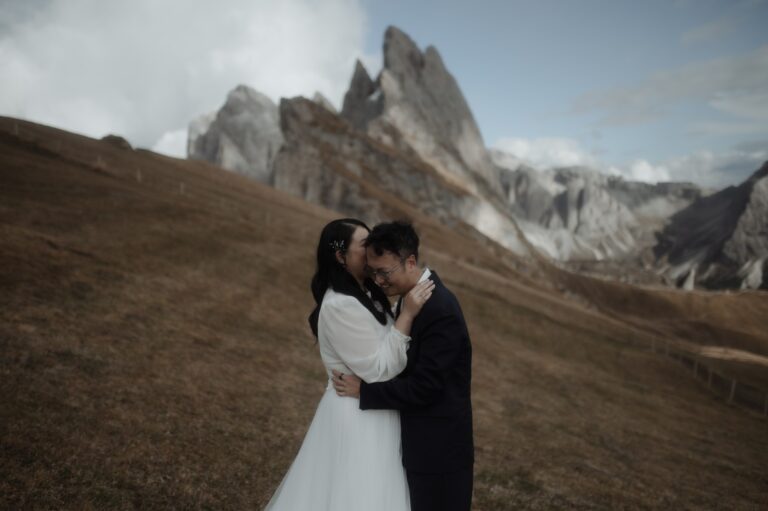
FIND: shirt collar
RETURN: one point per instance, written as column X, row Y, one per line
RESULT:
column 425, row 275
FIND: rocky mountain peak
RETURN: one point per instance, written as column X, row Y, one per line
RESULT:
column 749, row 242
column 416, row 105
column 324, row 102
column 759, row 174
column 327, row 161
column 724, row 235
column 359, row 104
column 243, row 136
column 401, row 55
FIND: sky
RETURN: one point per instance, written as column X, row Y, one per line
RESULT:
column 652, row 90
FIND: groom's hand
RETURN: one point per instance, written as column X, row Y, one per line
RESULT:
column 347, row 385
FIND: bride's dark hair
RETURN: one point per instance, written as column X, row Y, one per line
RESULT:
column 337, row 235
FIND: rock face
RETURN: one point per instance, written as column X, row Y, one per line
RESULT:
column 117, row 141
column 327, row 161
column 324, row 102
column 415, row 108
column 724, row 237
column 244, row 136
column 363, row 101
column 580, row 214
column 409, row 134
column 198, row 128
column 416, row 105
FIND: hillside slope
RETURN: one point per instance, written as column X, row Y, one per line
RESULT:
column 155, row 354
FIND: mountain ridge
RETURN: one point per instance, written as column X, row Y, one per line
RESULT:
column 414, row 108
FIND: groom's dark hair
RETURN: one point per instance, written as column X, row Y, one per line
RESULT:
column 397, row 237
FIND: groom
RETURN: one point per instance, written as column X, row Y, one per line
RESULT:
column 433, row 392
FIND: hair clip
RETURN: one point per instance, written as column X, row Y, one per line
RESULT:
column 338, row 245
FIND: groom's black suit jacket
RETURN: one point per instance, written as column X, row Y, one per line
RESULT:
column 433, row 392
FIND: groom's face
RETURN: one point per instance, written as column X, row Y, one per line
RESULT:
column 392, row 274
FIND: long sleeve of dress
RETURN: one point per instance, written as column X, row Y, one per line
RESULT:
column 370, row 350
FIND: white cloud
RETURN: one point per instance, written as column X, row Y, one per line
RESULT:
column 172, row 143
column 717, row 170
column 544, row 153
column 705, row 168
column 554, row 152
column 642, row 170
column 142, row 69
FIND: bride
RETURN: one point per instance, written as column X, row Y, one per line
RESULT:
column 350, row 459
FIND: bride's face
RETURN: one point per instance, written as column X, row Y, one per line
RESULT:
column 354, row 257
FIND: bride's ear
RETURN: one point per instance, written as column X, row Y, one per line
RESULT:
column 340, row 258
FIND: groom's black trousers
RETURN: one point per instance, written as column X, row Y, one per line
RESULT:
column 441, row 492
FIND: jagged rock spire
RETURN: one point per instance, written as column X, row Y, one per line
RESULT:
column 360, row 104
column 417, row 97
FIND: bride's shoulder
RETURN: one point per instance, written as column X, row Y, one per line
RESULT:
column 337, row 300
column 339, row 305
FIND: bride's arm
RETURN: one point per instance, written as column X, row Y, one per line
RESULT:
column 404, row 322
column 412, row 304
column 356, row 336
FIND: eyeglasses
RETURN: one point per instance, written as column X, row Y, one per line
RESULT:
column 381, row 273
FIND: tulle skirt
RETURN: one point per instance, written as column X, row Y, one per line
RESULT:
column 350, row 460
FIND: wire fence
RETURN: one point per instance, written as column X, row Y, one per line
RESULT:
column 729, row 388
column 735, row 392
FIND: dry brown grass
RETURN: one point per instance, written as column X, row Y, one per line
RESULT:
column 154, row 352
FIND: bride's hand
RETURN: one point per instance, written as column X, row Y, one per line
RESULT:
column 417, row 297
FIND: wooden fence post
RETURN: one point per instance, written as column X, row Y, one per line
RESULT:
column 733, row 391
column 16, row 129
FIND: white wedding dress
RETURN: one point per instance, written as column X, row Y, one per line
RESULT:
column 350, row 459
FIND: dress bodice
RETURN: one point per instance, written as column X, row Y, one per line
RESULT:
column 352, row 340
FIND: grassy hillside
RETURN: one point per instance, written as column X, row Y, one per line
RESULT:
column 154, row 350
